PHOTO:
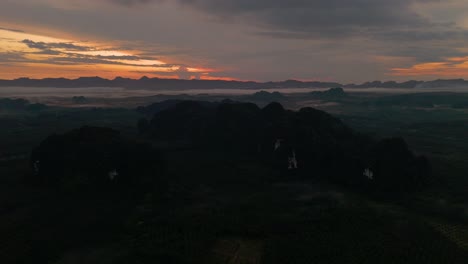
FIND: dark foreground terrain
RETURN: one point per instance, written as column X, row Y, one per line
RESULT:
column 206, row 182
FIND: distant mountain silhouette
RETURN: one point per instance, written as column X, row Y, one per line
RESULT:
column 180, row 84
column 449, row 83
column 157, row 83
column 444, row 83
column 333, row 93
column 389, row 84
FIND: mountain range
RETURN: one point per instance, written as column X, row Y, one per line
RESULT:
column 180, row 84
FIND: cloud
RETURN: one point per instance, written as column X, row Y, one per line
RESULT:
column 256, row 39
column 67, row 48
column 72, row 59
column 54, row 45
column 124, row 57
column 131, row 2
column 375, row 19
column 12, row 30
column 12, row 57
column 450, row 67
column 184, row 72
column 64, row 53
column 48, row 52
column 81, row 59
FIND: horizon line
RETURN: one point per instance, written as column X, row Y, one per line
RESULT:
column 233, row 80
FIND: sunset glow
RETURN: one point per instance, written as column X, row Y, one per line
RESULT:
column 455, row 67
column 36, row 56
column 337, row 41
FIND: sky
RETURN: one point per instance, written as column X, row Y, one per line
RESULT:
column 347, row 41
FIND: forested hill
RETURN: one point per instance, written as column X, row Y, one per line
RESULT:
column 314, row 141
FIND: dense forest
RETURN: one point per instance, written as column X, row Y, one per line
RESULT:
column 221, row 181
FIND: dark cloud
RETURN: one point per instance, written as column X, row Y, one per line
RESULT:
column 131, row 2
column 51, row 49
column 124, row 57
column 301, row 19
column 66, row 58
column 330, row 18
column 12, row 30
column 68, row 55
column 48, row 52
column 54, row 45
column 184, row 73
column 79, row 59
column 258, row 39
column 12, row 57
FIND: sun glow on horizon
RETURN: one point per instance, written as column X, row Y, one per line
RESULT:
column 31, row 55
column 450, row 67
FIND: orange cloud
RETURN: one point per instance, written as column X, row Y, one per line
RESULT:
column 450, row 67
column 31, row 55
column 208, row 78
